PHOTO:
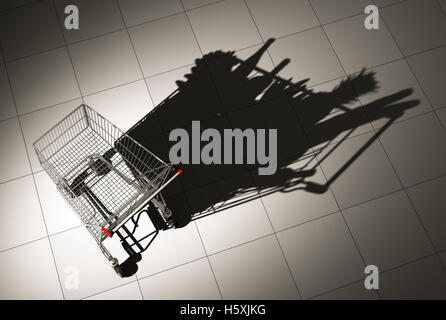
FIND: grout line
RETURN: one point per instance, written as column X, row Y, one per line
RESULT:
column 139, row 286
column 209, row 260
column 145, row 83
column 322, row 170
column 381, row 272
column 108, row 290
column 18, row 178
column 48, row 236
column 243, row 107
column 195, row 260
column 34, row 181
column 441, row 7
column 67, row 49
column 95, row 36
column 277, row 231
column 412, row 71
column 261, row 199
column 338, row 288
column 196, row 226
column 172, row 268
column 21, row 6
column 170, row 15
column 393, row 167
column 251, row 241
column 281, row 249
column 146, row 22
column 181, row 67
column 210, row 255
column 22, row 244
column 226, row 112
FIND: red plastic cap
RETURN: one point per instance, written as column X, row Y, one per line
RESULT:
column 108, row 233
column 180, row 171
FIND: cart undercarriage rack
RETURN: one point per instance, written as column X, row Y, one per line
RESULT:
column 109, row 180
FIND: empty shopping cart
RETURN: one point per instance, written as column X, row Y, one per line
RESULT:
column 109, row 180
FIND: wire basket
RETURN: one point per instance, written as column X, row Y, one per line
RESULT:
column 103, row 174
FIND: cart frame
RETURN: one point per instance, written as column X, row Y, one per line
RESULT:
column 108, row 179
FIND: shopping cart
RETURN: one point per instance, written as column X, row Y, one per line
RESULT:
column 109, row 180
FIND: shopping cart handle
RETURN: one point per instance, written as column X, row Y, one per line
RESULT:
column 178, row 169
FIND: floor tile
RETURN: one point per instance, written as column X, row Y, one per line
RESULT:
column 20, row 221
column 58, row 214
column 311, row 57
column 322, row 255
column 165, row 44
column 292, row 141
column 7, row 109
column 256, row 270
column 124, row 106
column 9, row 4
column 163, row 85
column 381, row 3
column 412, row 33
column 367, row 177
column 14, row 159
column 43, row 80
column 358, row 47
column 35, row 25
column 264, row 63
column 96, row 18
column 323, row 251
column 35, row 124
column 425, row 279
column 388, row 232
column 417, row 148
column 170, row 249
column 78, row 255
column 442, row 115
column 328, row 11
column 139, row 11
column 443, row 258
column 191, row 4
column 234, row 226
column 393, row 78
column 294, row 205
column 238, row 83
column 430, row 204
column 20, row 267
column 190, row 282
column 430, row 70
column 338, row 94
column 105, row 62
column 211, row 27
column 355, row 291
column 126, row 292
column 281, row 18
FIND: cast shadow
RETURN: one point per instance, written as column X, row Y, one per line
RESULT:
column 223, row 91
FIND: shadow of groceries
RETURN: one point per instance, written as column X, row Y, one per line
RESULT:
column 225, row 92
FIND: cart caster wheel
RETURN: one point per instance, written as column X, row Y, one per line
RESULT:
column 167, row 213
column 129, row 267
column 114, row 262
column 119, row 271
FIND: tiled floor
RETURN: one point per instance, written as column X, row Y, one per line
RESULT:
column 387, row 208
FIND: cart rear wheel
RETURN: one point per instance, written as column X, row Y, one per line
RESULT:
column 119, row 271
column 129, row 267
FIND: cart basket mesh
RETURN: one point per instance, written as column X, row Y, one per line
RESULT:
column 104, row 174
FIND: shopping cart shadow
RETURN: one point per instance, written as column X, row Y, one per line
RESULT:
column 223, row 91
